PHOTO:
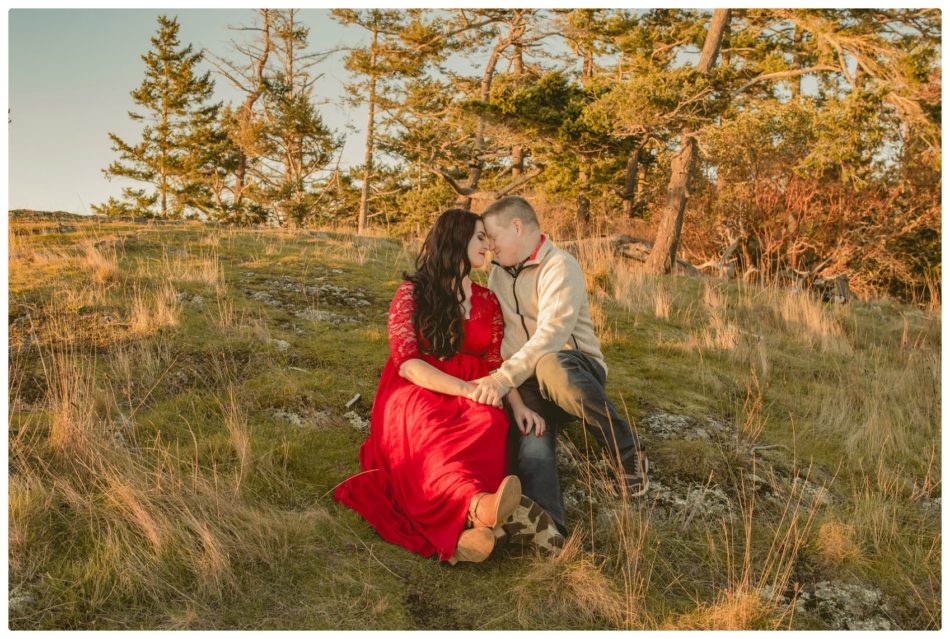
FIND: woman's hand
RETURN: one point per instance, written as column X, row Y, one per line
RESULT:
column 527, row 420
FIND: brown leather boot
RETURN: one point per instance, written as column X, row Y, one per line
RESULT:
column 490, row 509
column 475, row 544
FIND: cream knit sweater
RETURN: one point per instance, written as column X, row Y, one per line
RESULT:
column 545, row 306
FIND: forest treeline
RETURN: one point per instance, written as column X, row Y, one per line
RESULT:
column 764, row 142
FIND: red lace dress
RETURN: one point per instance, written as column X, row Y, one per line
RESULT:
column 428, row 453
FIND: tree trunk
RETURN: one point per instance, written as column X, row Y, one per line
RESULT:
column 631, row 185
column 246, row 116
column 663, row 255
column 583, row 177
column 727, row 31
column 517, row 151
column 368, row 159
column 796, row 83
column 583, row 202
column 162, row 169
column 294, row 148
column 475, row 167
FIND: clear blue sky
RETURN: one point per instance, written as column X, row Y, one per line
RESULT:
column 70, row 74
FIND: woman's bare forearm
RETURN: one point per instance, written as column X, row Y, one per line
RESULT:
column 423, row 374
column 514, row 398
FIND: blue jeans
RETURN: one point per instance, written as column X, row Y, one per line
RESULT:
column 567, row 385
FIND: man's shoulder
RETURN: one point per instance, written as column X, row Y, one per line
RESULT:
column 560, row 259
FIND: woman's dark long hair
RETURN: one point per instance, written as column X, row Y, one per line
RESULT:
column 440, row 267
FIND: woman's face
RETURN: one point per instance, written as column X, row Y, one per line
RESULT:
column 478, row 246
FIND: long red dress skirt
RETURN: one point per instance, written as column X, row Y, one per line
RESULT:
column 428, row 453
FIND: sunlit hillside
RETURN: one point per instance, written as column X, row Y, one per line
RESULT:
column 180, row 413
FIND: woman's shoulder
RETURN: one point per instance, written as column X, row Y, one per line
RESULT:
column 403, row 296
column 484, row 292
column 406, row 287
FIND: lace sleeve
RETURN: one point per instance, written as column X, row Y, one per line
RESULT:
column 402, row 334
column 493, row 357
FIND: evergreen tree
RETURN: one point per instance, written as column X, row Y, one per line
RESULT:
column 175, row 105
column 381, row 65
column 296, row 146
column 663, row 254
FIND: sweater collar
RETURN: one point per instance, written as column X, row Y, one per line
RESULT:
column 542, row 249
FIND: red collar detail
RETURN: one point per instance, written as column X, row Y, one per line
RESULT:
column 537, row 248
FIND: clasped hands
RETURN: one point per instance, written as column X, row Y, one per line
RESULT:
column 488, row 390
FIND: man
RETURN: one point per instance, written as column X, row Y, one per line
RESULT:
column 552, row 355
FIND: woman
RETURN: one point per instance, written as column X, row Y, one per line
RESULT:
column 433, row 477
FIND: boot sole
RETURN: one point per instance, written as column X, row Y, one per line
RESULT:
column 640, row 492
column 474, row 545
column 508, row 499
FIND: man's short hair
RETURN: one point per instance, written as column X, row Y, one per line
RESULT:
column 508, row 208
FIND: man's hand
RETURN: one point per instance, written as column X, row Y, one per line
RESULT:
column 489, row 391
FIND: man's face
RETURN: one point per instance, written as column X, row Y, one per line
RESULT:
column 504, row 241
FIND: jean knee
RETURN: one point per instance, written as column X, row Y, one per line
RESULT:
column 532, row 448
column 553, row 369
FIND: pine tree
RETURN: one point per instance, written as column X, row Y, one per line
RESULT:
column 175, row 105
column 296, row 146
column 379, row 66
column 663, row 254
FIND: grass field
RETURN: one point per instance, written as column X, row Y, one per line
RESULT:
column 178, row 421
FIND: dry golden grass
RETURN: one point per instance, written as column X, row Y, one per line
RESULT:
column 48, row 257
column 225, row 316
column 810, row 320
column 835, row 543
column 753, row 595
column 75, row 298
column 151, row 314
column 605, row 332
column 146, row 524
column 72, row 393
column 131, row 505
column 597, row 262
column 235, row 421
column 29, row 500
column 213, row 238
column 18, row 248
column 569, row 586
column 135, row 367
column 719, row 333
column 272, row 248
column 885, row 411
column 734, row 609
column 661, row 307
column 102, row 263
column 205, row 268
column 641, row 292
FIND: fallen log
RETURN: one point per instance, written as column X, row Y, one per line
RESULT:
column 631, row 248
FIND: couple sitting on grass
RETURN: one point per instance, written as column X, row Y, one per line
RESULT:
column 461, row 450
